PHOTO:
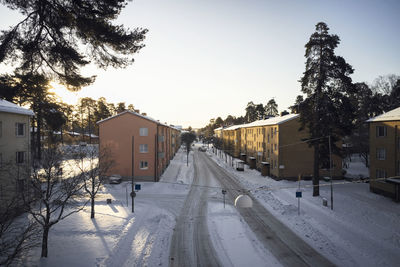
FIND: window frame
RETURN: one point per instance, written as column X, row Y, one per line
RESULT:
column 142, row 150
column 379, row 172
column 17, row 157
column 17, row 124
column 378, row 132
column 143, row 131
column 144, row 165
column 379, row 154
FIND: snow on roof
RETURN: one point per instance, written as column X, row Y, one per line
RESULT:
column 6, row 106
column 393, row 115
column 136, row 114
column 273, row 121
column 234, row 127
column 218, row 129
column 270, row 121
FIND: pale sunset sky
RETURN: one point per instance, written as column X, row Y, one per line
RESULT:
column 209, row 58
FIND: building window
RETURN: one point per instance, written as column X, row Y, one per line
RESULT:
column 144, row 131
column 20, row 186
column 380, row 153
column 380, row 173
column 275, row 147
column 381, row 131
column 20, row 129
column 144, row 165
column 143, row 148
column 398, row 167
column 20, row 157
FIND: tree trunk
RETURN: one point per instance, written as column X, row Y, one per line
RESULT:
column 38, row 129
column 44, row 241
column 92, row 207
column 316, row 171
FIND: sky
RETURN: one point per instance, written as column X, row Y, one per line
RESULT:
column 207, row 59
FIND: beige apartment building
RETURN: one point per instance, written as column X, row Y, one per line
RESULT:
column 384, row 140
column 231, row 140
column 139, row 145
column 14, row 150
column 278, row 143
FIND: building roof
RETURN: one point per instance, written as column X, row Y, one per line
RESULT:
column 139, row 115
column 219, row 129
column 6, row 106
column 393, row 115
column 234, row 127
column 266, row 122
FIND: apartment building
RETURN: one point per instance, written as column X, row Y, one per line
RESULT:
column 278, row 142
column 231, row 140
column 139, row 145
column 384, row 140
column 218, row 132
column 14, row 150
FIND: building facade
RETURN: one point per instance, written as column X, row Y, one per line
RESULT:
column 15, row 154
column 138, row 145
column 278, row 143
column 384, row 139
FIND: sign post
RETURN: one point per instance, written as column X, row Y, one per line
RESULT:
column 224, row 193
column 298, row 196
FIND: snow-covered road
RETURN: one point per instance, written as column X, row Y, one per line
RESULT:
column 192, row 242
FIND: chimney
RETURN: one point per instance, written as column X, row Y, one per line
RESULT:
column 137, row 111
column 144, row 114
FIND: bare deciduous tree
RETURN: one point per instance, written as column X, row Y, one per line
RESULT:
column 88, row 162
column 18, row 234
column 56, row 194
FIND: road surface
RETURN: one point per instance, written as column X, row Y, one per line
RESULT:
column 191, row 244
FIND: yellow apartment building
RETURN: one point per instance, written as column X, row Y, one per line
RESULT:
column 278, row 142
column 218, row 132
column 15, row 154
column 384, row 140
column 231, row 140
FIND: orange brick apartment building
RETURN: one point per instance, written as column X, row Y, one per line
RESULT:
column 139, row 145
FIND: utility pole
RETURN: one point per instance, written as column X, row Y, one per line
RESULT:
column 330, row 171
column 133, row 185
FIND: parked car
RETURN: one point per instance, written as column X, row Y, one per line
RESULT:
column 203, row 149
column 115, row 179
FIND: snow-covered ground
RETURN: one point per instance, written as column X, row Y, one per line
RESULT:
column 356, row 168
column 118, row 237
column 362, row 229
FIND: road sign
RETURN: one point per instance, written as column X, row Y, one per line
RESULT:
column 133, row 194
column 223, row 191
column 298, row 194
column 137, row 187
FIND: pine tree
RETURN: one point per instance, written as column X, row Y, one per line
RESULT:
column 326, row 110
column 251, row 114
column 271, row 108
column 57, row 38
